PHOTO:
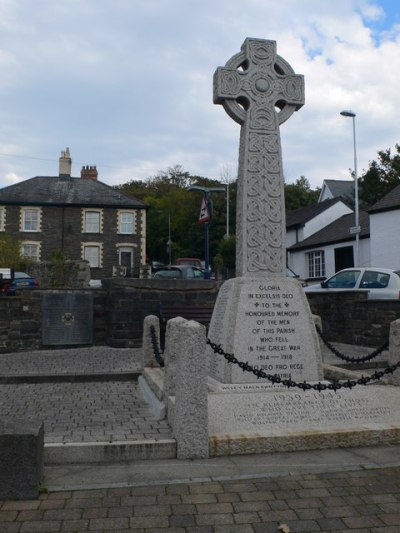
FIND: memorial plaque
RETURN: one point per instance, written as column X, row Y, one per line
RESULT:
column 267, row 323
column 273, row 413
column 67, row 318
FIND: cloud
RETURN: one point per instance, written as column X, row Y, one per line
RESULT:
column 128, row 85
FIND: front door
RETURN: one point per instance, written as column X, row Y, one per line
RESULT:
column 344, row 258
column 126, row 260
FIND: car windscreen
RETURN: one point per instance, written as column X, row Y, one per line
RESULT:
column 168, row 274
column 343, row 280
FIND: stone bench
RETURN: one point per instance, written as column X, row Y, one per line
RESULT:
column 21, row 458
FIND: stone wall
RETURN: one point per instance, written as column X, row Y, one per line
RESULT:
column 121, row 305
column 351, row 318
column 119, row 310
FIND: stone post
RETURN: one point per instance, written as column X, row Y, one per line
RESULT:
column 394, row 351
column 190, row 419
column 174, row 344
column 147, row 345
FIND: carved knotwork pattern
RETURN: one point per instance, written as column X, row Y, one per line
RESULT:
column 260, row 80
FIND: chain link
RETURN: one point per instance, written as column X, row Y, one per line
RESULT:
column 289, row 383
column 347, row 358
column 156, row 349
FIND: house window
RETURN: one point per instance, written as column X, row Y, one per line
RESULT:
column 31, row 250
column 91, row 221
column 30, row 219
column 126, row 222
column 92, row 254
column 2, row 218
column 316, row 264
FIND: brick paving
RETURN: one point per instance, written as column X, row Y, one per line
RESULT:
column 84, row 412
column 357, row 501
column 86, row 360
column 352, row 501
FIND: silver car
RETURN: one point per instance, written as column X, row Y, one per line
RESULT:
column 381, row 283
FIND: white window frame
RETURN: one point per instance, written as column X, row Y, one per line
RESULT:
column 123, row 228
column 2, row 218
column 32, row 246
column 89, row 226
column 316, row 264
column 99, row 256
column 34, row 221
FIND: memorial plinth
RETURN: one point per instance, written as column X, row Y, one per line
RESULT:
column 266, row 322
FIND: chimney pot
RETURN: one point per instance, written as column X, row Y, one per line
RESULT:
column 65, row 163
column 89, row 172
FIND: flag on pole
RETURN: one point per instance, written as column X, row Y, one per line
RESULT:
column 204, row 215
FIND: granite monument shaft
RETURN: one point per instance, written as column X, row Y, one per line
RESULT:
column 260, row 91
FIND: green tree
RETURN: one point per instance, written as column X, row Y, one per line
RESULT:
column 380, row 178
column 10, row 253
column 300, row 194
column 170, row 200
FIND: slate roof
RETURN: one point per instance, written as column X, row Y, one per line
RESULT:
column 337, row 231
column 390, row 201
column 341, row 188
column 298, row 217
column 65, row 190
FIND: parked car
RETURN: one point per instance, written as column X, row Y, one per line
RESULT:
column 21, row 280
column 381, row 283
column 179, row 272
column 192, row 261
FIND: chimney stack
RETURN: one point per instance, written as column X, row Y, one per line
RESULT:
column 89, row 173
column 65, row 163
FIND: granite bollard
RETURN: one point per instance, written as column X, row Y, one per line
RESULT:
column 394, row 351
column 190, row 418
column 147, row 344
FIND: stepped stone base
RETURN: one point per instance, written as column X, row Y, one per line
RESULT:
column 271, row 421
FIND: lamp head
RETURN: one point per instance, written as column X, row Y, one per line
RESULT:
column 347, row 113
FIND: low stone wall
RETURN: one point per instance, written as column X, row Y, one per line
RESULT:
column 121, row 305
column 119, row 309
column 131, row 300
column 350, row 318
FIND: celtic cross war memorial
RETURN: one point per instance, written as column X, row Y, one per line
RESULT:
column 261, row 315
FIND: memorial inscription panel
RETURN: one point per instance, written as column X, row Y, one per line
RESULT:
column 280, row 411
column 266, row 322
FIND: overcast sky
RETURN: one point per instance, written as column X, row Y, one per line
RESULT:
column 127, row 84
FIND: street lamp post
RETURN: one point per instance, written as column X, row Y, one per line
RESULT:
column 169, row 242
column 356, row 229
column 206, row 191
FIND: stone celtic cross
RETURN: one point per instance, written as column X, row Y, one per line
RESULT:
column 260, row 91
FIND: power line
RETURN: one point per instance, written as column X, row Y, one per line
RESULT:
column 56, row 161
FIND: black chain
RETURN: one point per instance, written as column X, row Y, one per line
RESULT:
column 372, row 355
column 156, row 349
column 289, row 383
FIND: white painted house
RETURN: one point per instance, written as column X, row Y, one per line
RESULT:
column 343, row 189
column 384, row 229
column 330, row 249
column 319, row 242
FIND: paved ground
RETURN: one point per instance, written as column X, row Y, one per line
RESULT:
column 349, row 501
column 355, row 490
